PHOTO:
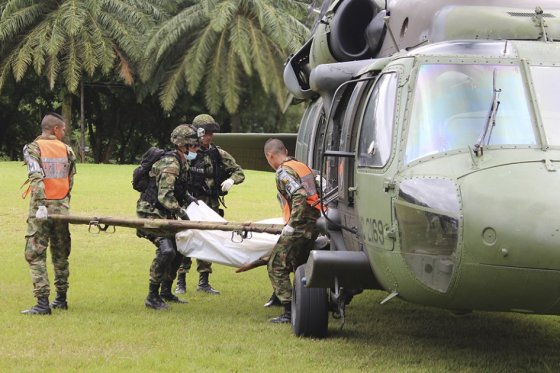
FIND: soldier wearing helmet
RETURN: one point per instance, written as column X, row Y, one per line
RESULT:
column 212, row 174
column 163, row 199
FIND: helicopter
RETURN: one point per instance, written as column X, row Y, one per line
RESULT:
column 435, row 127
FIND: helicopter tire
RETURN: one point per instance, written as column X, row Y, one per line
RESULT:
column 310, row 314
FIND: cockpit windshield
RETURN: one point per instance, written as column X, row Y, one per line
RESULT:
column 451, row 107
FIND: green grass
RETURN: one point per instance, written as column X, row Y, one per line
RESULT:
column 107, row 327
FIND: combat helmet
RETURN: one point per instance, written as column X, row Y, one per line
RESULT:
column 206, row 122
column 184, row 134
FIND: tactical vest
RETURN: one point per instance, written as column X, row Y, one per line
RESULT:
column 200, row 170
column 308, row 183
column 56, row 166
column 150, row 195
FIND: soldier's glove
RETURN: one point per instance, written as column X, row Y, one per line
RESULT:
column 182, row 214
column 288, row 230
column 191, row 199
column 226, row 185
column 42, row 213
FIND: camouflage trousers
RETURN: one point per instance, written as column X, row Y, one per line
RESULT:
column 289, row 253
column 39, row 234
column 167, row 260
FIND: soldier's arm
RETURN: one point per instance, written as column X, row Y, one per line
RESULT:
column 299, row 202
column 235, row 171
column 32, row 157
column 166, row 180
column 72, row 169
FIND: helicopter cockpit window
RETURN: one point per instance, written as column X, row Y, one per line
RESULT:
column 451, row 105
column 376, row 134
column 546, row 87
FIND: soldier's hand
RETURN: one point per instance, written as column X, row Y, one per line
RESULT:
column 288, row 230
column 42, row 213
column 226, row 185
column 182, row 214
column 191, row 199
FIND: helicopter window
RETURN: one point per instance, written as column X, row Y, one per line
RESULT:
column 545, row 80
column 377, row 123
column 428, row 213
column 451, row 105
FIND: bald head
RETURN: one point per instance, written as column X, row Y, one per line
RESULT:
column 51, row 120
column 274, row 146
column 275, row 152
column 53, row 124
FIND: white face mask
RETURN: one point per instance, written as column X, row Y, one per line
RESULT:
column 190, row 156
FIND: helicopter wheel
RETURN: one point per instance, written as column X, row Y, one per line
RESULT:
column 310, row 314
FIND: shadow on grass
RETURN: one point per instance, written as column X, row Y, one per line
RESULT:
column 476, row 341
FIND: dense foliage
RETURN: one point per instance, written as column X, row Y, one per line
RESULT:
column 143, row 66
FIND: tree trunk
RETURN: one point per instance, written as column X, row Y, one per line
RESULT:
column 66, row 98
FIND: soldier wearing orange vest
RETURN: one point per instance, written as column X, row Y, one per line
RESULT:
column 51, row 169
column 297, row 193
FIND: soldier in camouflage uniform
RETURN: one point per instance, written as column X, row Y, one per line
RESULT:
column 297, row 193
column 51, row 169
column 163, row 199
column 212, row 174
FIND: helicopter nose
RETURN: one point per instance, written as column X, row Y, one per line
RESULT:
column 512, row 216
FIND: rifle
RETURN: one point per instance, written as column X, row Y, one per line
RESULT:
column 166, row 226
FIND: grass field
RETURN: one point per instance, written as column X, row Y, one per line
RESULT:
column 107, row 327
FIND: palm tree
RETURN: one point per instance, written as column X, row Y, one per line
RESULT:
column 219, row 45
column 67, row 38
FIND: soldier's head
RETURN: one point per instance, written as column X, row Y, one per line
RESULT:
column 53, row 124
column 275, row 152
column 185, row 138
column 206, row 127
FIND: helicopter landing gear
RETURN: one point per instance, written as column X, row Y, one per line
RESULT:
column 310, row 312
column 340, row 297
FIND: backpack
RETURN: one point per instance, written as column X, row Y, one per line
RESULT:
column 141, row 174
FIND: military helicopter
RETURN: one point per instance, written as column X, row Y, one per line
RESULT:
column 436, row 130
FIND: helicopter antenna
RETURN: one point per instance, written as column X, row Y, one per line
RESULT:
column 386, row 20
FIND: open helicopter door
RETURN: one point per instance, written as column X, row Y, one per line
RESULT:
column 374, row 157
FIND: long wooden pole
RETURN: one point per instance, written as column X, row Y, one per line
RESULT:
column 167, row 225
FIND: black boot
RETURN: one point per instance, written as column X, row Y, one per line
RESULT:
column 273, row 301
column 41, row 308
column 166, row 295
column 181, row 287
column 284, row 318
column 153, row 300
column 204, row 285
column 60, row 301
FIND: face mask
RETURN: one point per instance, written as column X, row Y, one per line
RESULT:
column 190, row 156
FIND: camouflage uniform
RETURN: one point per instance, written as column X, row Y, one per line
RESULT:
column 292, row 250
column 169, row 173
column 41, row 231
column 207, row 191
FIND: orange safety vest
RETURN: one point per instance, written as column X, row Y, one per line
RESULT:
column 55, row 165
column 308, row 182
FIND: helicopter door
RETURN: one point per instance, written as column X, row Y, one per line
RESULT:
column 373, row 158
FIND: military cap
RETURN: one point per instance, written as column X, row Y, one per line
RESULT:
column 206, row 122
column 184, row 134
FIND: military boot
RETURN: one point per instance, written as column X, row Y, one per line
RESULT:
column 181, row 287
column 204, row 285
column 153, row 300
column 41, row 308
column 273, row 301
column 284, row 318
column 166, row 295
column 60, row 301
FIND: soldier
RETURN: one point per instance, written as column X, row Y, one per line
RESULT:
column 51, row 168
column 297, row 193
column 212, row 173
column 163, row 198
